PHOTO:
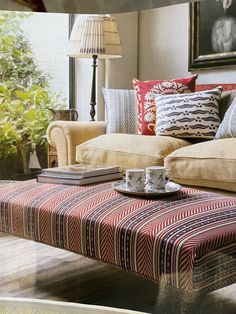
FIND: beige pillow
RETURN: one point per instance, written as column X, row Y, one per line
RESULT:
column 127, row 150
column 209, row 164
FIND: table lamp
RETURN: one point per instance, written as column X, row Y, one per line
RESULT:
column 94, row 36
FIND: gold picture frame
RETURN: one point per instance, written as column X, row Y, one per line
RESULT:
column 207, row 18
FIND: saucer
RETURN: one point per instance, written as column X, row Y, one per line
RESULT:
column 170, row 188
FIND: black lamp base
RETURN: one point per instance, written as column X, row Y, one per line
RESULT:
column 93, row 90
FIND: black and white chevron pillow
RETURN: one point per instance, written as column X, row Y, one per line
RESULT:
column 189, row 115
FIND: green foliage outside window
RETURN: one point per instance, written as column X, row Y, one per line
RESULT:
column 25, row 95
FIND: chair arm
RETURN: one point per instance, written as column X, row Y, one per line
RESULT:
column 66, row 135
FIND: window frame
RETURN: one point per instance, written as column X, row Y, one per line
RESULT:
column 72, row 102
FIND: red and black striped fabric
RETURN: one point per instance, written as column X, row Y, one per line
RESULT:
column 187, row 240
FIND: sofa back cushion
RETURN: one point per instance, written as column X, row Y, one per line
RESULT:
column 226, row 87
column 127, row 150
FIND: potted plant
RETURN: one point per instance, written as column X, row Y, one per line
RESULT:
column 24, row 117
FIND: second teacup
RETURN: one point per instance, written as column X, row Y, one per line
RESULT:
column 155, row 178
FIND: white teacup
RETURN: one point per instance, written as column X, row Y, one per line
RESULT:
column 155, row 178
column 135, row 180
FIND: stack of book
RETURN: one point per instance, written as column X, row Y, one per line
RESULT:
column 79, row 174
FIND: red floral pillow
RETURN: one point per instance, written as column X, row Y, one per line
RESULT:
column 146, row 92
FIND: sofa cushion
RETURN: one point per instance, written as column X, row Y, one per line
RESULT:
column 121, row 108
column 146, row 92
column 127, row 150
column 209, row 164
column 189, row 115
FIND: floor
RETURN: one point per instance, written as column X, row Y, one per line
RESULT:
column 33, row 270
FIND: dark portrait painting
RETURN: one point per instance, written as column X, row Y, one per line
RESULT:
column 212, row 34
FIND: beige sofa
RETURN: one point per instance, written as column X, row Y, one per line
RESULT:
column 210, row 164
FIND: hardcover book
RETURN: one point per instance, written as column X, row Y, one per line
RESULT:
column 80, row 171
column 43, row 178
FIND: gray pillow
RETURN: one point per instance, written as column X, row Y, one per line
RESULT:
column 227, row 127
column 121, row 110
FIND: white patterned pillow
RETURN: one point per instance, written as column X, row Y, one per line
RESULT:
column 189, row 115
column 121, row 110
column 227, row 127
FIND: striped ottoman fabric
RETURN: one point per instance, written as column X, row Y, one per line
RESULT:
column 187, row 240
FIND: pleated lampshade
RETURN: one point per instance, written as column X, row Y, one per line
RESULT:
column 95, row 35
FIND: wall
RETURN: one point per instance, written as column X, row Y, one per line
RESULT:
column 163, row 47
column 120, row 72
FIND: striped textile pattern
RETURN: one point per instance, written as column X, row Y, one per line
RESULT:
column 188, row 115
column 187, row 240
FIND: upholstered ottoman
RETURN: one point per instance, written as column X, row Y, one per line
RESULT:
column 187, row 240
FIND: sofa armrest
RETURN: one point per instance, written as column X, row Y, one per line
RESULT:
column 66, row 135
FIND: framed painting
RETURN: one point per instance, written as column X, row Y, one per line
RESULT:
column 212, row 40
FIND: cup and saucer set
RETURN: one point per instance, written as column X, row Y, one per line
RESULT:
column 146, row 182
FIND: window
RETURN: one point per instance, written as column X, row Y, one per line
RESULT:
column 48, row 35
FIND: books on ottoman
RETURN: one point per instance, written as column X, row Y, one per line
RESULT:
column 42, row 178
column 79, row 174
column 80, row 171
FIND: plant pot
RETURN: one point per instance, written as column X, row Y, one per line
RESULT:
column 12, row 168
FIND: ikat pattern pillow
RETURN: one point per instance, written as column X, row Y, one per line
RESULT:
column 146, row 92
column 227, row 127
column 194, row 115
column 121, row 110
